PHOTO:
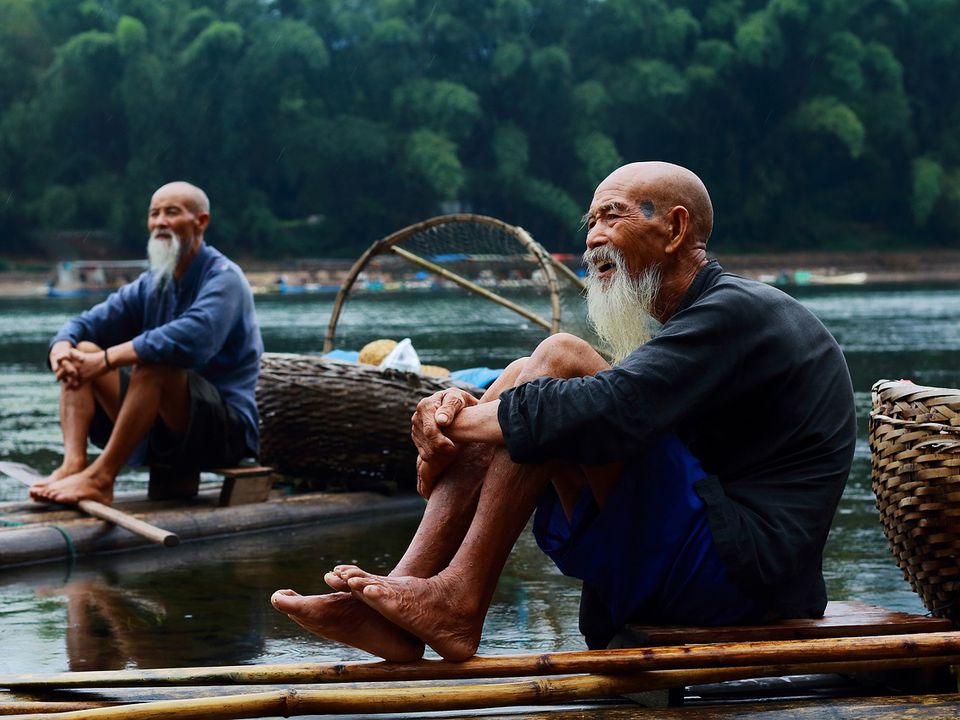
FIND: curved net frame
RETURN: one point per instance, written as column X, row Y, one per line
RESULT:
column 461, row 255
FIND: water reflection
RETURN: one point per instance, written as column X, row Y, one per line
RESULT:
column 208, row 603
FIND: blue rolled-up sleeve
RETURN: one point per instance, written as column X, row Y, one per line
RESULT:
column 115, row 320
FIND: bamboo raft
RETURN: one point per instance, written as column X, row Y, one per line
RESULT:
column 33, row 533
column 912, row 647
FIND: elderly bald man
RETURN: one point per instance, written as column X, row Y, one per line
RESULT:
column 164, row 370
column 692, row 482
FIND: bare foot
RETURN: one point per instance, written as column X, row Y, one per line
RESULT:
column 335, row 580
column 342, row 618
column 66, row 468
column 84, row 485
column 435, row 609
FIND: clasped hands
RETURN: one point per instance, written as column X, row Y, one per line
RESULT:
column 74, row 367
column 436, row 451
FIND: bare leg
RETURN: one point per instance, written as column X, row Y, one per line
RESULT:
column 447, row 610
column 341, row 617
column 77, row 407
column 154, row 390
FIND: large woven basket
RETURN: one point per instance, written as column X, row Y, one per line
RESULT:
column 342, row 422
column 915, row 457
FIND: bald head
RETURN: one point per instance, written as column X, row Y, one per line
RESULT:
column 192, row 196
column 179, row 214
column 659, row 186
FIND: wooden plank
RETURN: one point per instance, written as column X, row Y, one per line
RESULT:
column 244, row 490
column 841, row 619
column 245, row 484
column 243, row 471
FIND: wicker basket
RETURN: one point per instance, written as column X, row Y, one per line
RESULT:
column 350, row 423
column 915, row 456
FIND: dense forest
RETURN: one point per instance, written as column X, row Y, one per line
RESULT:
column 317, row 126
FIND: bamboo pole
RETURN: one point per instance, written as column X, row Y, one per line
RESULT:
column 449, row 697
column 21, row 707
column 128, row 522
column 560, row 663
column 473, row 287
column 26, row 475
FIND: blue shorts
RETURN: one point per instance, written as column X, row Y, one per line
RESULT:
column 648, row 553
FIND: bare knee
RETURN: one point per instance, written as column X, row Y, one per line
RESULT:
column 89, row 347
column 562, row 356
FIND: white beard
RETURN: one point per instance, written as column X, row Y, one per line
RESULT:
column 620, row 309
column 163, row 255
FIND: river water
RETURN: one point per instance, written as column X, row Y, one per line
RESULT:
column 205, row 604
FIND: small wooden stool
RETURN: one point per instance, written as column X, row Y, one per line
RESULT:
column 241, row 485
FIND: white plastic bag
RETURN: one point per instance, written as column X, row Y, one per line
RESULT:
column 402, row 357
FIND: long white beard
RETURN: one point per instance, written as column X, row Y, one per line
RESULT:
column 163, row 255
column 620, row 309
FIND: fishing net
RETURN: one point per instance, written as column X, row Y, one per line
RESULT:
column 467, row 290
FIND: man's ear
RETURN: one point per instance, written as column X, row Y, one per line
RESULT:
column 679, row 226
column 203, row 219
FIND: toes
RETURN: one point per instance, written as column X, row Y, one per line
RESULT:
column 373, row 591
column 349, row 572
column 335, row 581
column 358, row 583
column 367, row 587
column 285, row 600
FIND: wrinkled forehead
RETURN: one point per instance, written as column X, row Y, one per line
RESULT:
column 166, row 198
column 617, row 192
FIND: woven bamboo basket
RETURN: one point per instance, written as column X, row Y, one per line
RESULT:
column 915, row 458
column 330, row 420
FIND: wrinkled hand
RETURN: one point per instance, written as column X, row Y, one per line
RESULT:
column 435, row 451
column 76, row 367
column 59, row 359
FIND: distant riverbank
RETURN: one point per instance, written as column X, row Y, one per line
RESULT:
column 870, row 267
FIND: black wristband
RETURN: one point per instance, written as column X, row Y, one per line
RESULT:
column 106, row 360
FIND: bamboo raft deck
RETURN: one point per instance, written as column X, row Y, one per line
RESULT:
column 32, row 533
column 857, row 662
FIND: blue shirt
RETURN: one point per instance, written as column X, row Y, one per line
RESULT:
column 203, row 322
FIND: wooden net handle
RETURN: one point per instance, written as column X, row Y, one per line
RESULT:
column 544, row 259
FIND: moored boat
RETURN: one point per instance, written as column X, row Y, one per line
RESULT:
column 90, row 278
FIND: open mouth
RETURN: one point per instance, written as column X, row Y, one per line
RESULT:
column 605, row 268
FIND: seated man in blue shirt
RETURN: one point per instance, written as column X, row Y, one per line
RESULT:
column 692, row 481
column 164, row 370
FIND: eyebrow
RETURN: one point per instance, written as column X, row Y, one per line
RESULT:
column 614, row 205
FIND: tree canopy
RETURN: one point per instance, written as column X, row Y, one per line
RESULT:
column 317, row 126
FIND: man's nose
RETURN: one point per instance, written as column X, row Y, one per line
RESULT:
column 595, row 238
